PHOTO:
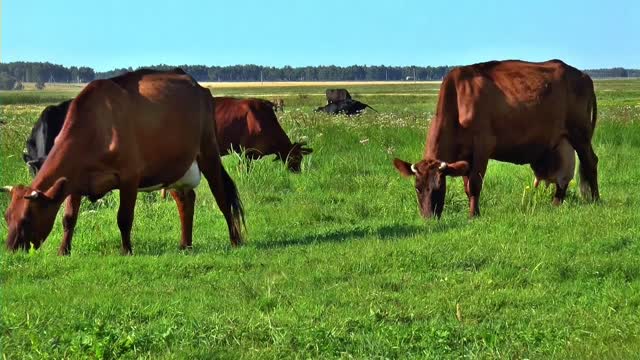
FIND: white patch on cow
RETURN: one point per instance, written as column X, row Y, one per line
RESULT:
column 189, row 180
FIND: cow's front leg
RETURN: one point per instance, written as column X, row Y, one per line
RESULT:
column 473, row 184
column 128, row 195
column 71, row 210
column 561, row 193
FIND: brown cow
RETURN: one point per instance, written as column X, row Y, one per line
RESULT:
column 513, row 111
column 252, row 125
column 110, row 140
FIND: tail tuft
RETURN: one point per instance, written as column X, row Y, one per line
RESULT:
column 237, row 209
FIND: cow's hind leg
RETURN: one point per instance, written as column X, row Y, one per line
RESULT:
column 185, row 200
column 587, row 170
column 224, row 191
column 128, row 195
column 71, row 209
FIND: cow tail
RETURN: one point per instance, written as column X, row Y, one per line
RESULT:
column 237, row 209
column 594, row 112
column 585, row 187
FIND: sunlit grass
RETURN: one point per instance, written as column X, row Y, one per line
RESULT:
column 338, row 262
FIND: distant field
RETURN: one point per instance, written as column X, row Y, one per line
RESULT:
column 338, row 262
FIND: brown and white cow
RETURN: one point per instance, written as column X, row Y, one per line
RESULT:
column 513, row 111
column 251, row 125
column 114, row 137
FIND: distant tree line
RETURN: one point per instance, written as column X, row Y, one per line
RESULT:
column 17, row 72
column 47, row 72
column 613, row 73
column 305, row 73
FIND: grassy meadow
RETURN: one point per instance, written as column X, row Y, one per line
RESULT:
column 338, row 262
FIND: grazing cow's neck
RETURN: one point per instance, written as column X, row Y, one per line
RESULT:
column 441, row 138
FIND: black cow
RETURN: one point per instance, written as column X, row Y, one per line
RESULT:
column 43, row 134
column 337, row 95
column 348, row 107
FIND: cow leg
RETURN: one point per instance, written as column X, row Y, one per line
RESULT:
column 224, row 192
column 588, row 171
column 128, row 195
column 185, row 200
column 71, row 210
column 561, row 193
column 473, row 185
column 465, row 180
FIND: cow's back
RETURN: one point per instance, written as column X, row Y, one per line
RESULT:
column 523, row 107
column 137, row 123
column 248, row 124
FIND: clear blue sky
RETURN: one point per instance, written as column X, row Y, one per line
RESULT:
column 113, row 33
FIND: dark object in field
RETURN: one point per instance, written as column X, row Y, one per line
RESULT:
column 115, row 137
column 337, row 95
column 43, row 134
column 513, row 111
column 348, row 107
column 251, row 125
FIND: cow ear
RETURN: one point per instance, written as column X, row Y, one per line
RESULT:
column 458, row 168
column 403, row 167
column 57, row 191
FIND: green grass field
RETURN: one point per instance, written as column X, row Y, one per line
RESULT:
column 338, row 263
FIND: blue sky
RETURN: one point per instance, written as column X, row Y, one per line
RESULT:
column 113, row 33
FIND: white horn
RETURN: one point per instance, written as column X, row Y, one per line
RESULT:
column 6, row 189
column 413, row 168
column 443, row 165
column 33, row 195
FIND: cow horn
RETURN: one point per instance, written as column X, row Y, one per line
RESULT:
column 443, row 165
column 6, row 189
column 413, row 168
column 33, row 195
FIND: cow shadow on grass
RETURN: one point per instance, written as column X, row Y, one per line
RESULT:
column 393, row 232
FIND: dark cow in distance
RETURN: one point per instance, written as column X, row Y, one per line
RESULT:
column 512, row 111
column 250, row 125
column 337, row 95
column 43, row 134
column 110, row 140
column 347, row 107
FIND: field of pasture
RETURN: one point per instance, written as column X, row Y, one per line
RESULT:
column 338, row 262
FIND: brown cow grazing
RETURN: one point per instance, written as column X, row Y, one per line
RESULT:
column 513, row 111
column 251, row 125
column 110, row 140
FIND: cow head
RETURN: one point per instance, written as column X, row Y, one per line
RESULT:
column 294, row 157
column 431, row 181
column 31, row 214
